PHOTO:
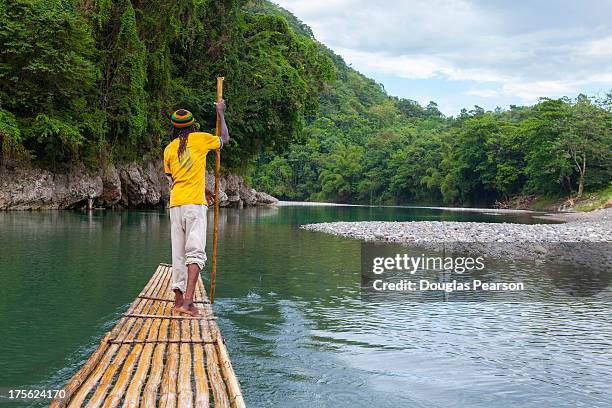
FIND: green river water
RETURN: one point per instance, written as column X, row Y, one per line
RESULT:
column 289, row 306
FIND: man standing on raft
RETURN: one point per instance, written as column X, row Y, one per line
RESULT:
column 185, row 165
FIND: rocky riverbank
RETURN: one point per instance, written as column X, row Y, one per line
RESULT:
column 125, row 185
column 583, row 237
column 590, row 227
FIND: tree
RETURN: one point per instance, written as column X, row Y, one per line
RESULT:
column 47, row 75
column 275, row 177
column 547, row 165
column 587, row 138
column 125, row 76
column 341, row 172
column 565, row 139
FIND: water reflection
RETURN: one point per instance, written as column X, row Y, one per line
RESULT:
column 289, row 306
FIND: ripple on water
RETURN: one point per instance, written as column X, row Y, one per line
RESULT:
column 296, row 329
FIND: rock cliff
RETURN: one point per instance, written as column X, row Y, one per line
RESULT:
column 125, row 185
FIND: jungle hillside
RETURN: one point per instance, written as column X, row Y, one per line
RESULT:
column 94, row 81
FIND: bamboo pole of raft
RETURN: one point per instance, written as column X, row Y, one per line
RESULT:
column 155, row 377
column 132, row 395
column 149, row 396
column 213, row 272
column 185, row 395
column 167, row 394
column 216, row 380
column 107, row 378
column 229, row 375
column 213, row 338
column 123, row 380
column 82, row 380
column 75, row 382
column 149, row 360
column 203, row 395
column 201, row 381
column 217, row 385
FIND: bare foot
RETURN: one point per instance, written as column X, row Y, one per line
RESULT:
column 178, row 300
column 189, row 309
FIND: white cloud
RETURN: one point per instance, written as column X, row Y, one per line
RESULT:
column 598, row 48
column 414, row 66
column 390, row 26
column 482, row 93
column 523, row 50
column 529, row 92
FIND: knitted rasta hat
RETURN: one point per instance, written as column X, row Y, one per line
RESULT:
column 181, row 118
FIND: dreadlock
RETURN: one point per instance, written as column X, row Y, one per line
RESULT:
column 183, row 135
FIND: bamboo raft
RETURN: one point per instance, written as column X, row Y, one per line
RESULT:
column 152, row 358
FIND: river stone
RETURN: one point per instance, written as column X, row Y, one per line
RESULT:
column 265, row 199
column 153, row 172
column 515, row 240
column 248, row 195
column 111, row 188
column 133, row 185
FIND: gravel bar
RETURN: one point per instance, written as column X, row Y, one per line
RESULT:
column 595, row 226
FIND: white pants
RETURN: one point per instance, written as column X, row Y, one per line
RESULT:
column 188, row 234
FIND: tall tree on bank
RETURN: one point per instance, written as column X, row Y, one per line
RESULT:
column 589, row 138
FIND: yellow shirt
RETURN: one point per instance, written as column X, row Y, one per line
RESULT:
column 188, row 181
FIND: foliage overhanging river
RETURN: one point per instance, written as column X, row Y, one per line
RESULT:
column 289, row 307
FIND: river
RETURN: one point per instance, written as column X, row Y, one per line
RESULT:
column 289, row 306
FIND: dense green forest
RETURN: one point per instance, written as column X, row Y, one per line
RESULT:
column 398, row 152
column 95, row 81
column 364, row 146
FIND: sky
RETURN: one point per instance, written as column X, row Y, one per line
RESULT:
column 461, row 53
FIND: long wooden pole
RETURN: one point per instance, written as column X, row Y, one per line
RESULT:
column 213, row 273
